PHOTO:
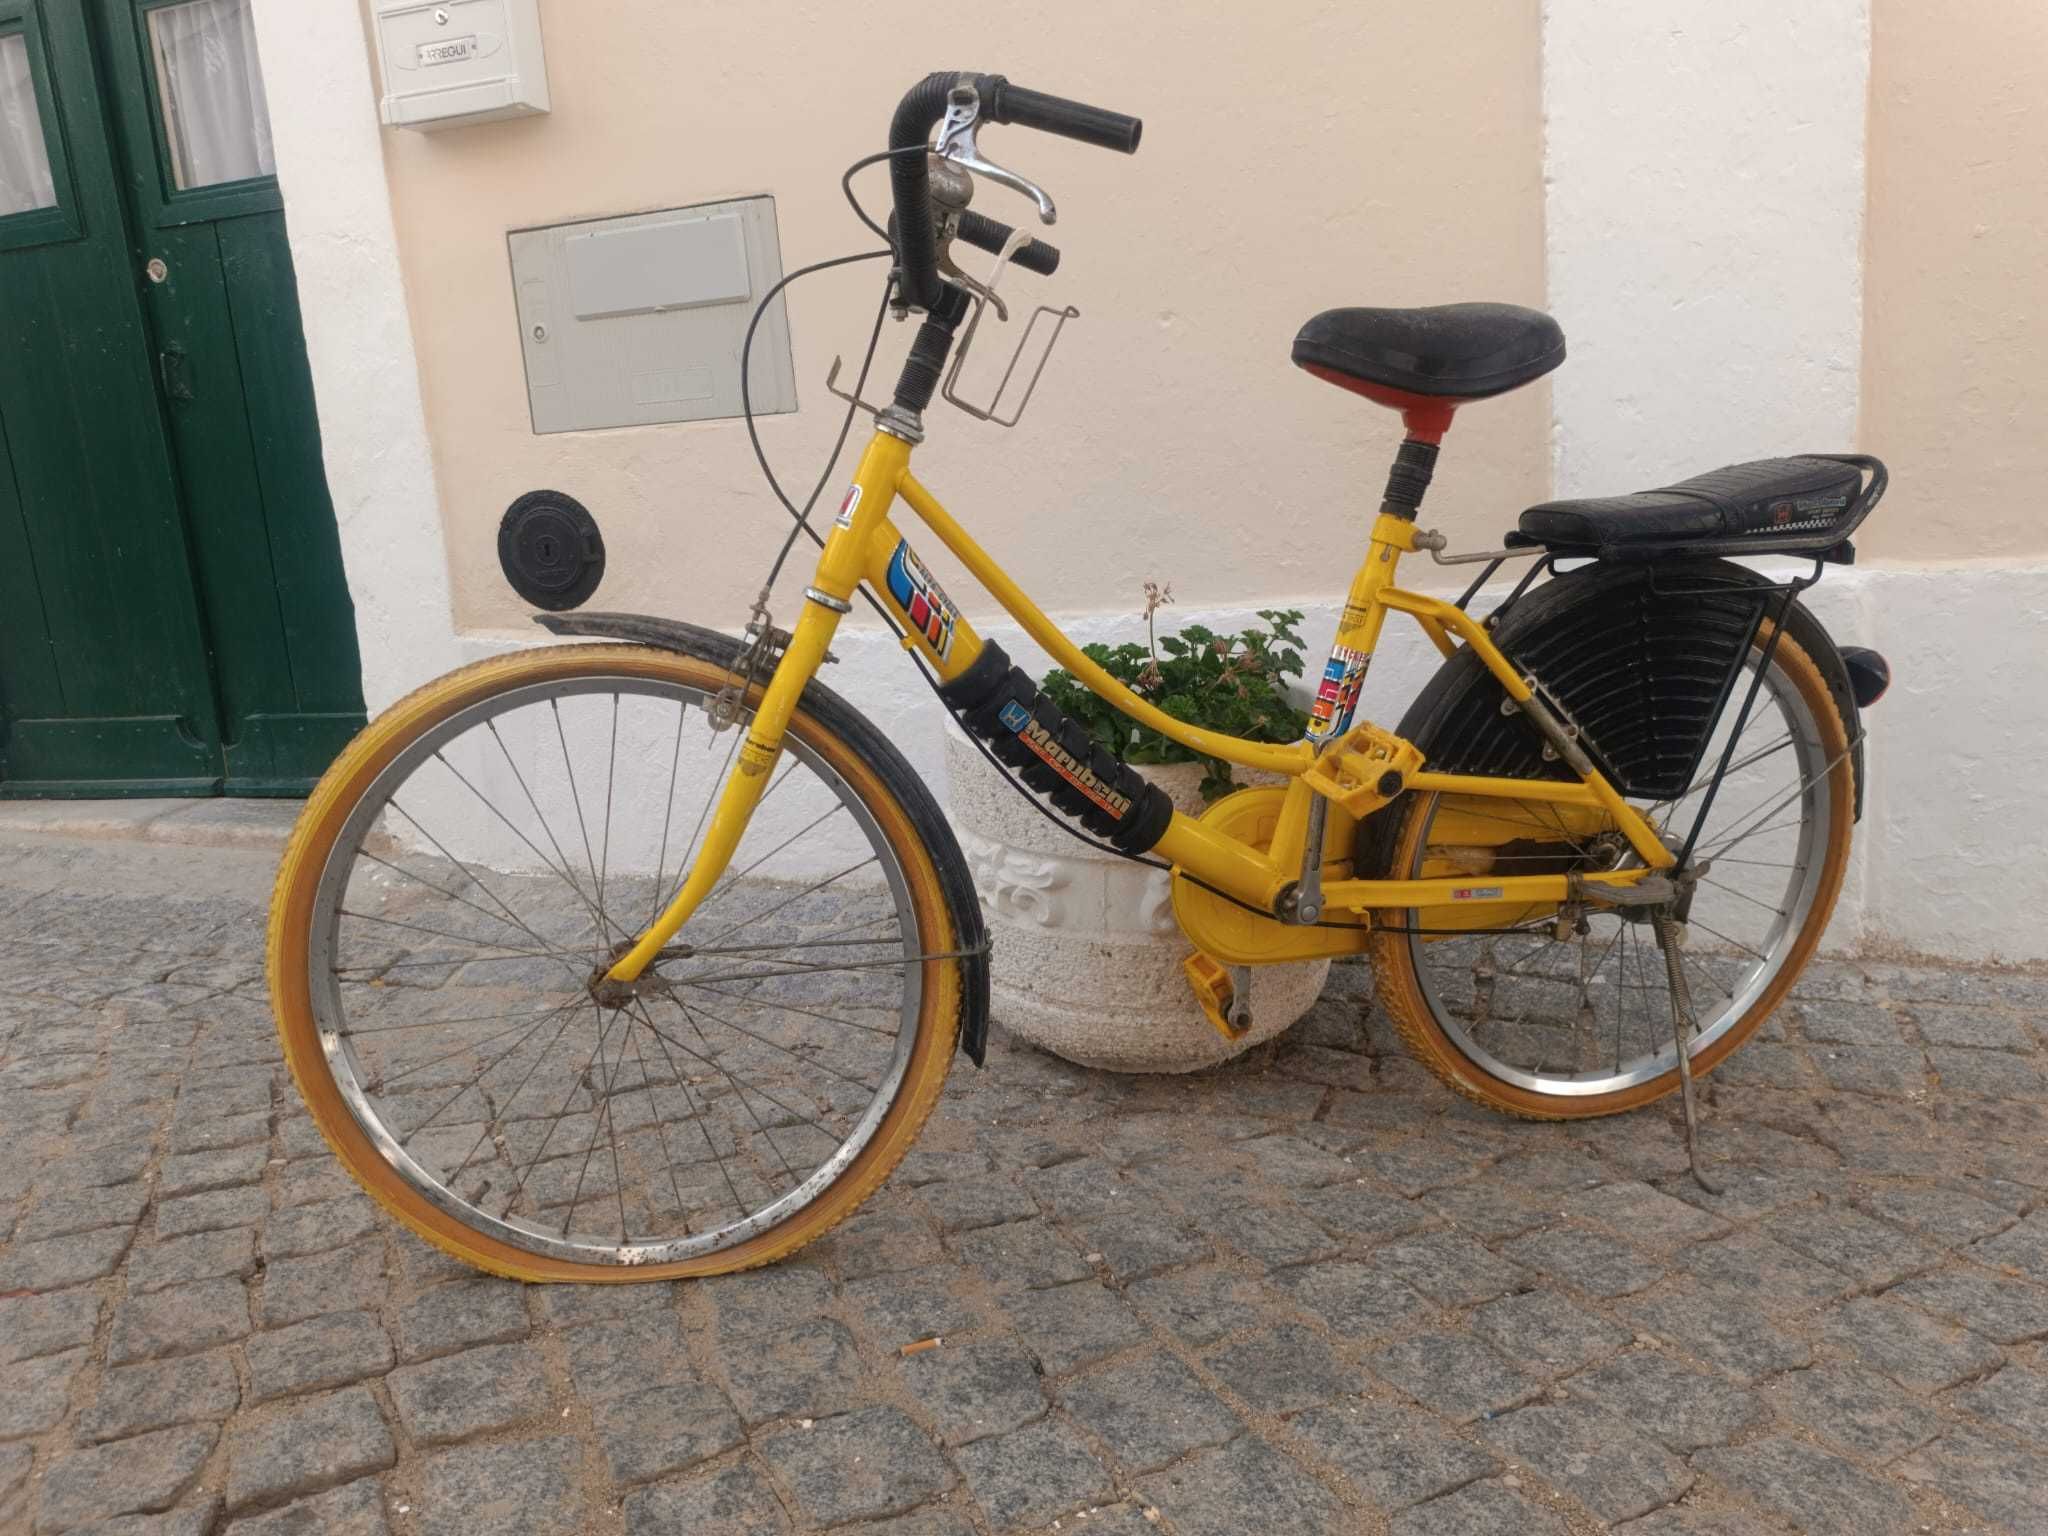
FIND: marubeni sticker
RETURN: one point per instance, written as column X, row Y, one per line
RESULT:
column 1019, row 721
column 923, row 601
column 1475, row 893
column 1337, row 698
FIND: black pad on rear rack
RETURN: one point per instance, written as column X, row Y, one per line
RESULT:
column 1795, row 505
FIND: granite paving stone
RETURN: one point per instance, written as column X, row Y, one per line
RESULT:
column 1993, row 1477
column 1478, row 1509
column 1149, row 1411
column 57, row 1262
column 211, row 1212
column 179, row 1320
column 354, row 1509
column 1452, row 1270
column 1810, row 1489
column 329, row 1351
column 1682, row 1407
column 1725, row 1330
column 315, row 1443
column 1200, row 1305
column 858, row 1466
column 810, row 1369
column 457, row 1397
column 731, row 1501
column 1869, row 1251
column 142, row 1474
column 38, row 1393
column 63, row 1212
column 1592, row 1455
column 1392, row 1454
column 528, row 1488
column 1586, row 1261
column 157, row 1394
column 315, row 1284
column 1213, row 1494
column 911, row 1305
column 1645, row 1214
column 1071, row 1326
column 2003, row 1310
column 2016, row 1399
column 1283, row 1369
column 971, row 1391
column 1023, row 1255
column 228, row 1251
column 659, row 1433
column 1355, row 1300
column 1032, row 1476
column 610, row 1359
column 1457, row 1376
column 1545, row 1332
column 1907, row 1345
column 313, row 1228
column 2022, row 1248
column 461, row 1315
column 47, row 1325
column 1855, row 1410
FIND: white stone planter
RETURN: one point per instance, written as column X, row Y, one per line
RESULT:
column 1087, row 960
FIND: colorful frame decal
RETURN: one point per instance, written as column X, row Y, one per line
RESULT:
column 923, row 601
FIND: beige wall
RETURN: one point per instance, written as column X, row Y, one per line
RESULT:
column 1295, row 158
column 1955, row 356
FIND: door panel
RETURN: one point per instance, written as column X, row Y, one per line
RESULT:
column 187, row 94
column 104, row 677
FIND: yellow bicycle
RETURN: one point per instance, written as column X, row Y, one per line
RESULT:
column 1595, row 854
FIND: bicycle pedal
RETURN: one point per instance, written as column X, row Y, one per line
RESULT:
column 1217, row 993
column 1363, row 769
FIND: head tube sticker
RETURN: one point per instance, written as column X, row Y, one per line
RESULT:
column 848, row 507
column 1337, row 697
column 923, row 601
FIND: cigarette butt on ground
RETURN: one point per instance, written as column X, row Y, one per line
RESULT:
column 920, row 1346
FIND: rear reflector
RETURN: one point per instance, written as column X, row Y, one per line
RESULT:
column 1869, row 674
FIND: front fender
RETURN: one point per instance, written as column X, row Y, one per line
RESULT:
column 832, row 710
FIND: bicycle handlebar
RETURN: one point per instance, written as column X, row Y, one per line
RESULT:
column 922, row 106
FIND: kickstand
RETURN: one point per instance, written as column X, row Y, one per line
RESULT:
column 1681, row 1029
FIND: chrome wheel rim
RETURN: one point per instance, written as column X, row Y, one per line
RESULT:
column 728, row 1103
column 1590, row 1015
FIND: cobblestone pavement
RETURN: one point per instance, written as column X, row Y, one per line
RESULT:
column 1310, row 1292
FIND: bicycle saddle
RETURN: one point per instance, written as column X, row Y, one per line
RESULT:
column 1451, row 352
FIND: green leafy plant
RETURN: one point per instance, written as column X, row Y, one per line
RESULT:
column 1234, row 684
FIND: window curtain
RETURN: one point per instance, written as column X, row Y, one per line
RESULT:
column 215, row 114
column 24, row 163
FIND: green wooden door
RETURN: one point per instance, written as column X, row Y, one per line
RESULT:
column 182, row 212
column 104, row 678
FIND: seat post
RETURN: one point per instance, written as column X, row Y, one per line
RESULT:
column 1414, row 464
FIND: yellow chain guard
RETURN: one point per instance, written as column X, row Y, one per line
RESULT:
column 1237, row 935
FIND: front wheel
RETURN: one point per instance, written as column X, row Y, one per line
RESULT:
column 1568, row 1015
column 470, row 867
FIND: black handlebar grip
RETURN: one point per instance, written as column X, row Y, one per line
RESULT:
column 1068, row 119
column 990, row 234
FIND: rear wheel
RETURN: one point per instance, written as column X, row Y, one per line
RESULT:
column 1566, row 1015
column 471, row 866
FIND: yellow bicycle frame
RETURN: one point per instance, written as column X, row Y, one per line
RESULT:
column 865, row 546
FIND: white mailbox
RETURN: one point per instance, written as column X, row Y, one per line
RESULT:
column 459, row 61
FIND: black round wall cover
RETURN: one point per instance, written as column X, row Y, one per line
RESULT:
column 551, row 551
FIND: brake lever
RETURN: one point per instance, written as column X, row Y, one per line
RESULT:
column 956, row 143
